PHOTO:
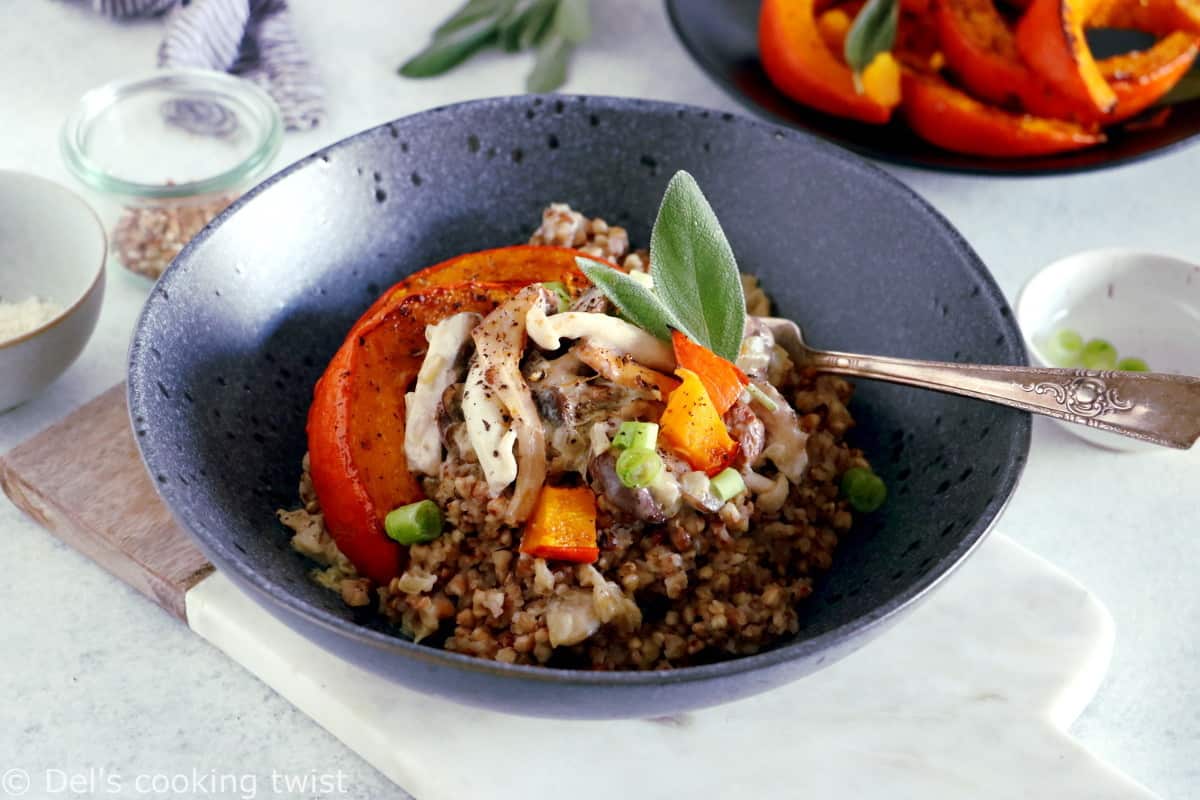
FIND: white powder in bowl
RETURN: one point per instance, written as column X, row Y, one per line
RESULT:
column 20, row 318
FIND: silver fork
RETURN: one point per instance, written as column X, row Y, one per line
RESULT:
column 1158, row 408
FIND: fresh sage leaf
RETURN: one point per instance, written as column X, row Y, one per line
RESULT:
column 637, row 304
column 537, row 24
column 448, row 51
column 550, row 68
column 572, row 22
column 695, row 273
column 873, row 32
column 513, row 22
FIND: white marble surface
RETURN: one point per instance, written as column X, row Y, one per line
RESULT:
column 95, row 675
column 964, row 699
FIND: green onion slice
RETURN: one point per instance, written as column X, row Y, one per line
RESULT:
column 1131, row 364
column 762, row 398
column 727, row 484
column 636, row 436
column 1064, row 347
column 560, row 291
column 414, row 523
column 639, row 467
column 1098, row 354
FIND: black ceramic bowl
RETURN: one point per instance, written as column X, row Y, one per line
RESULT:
column 236, row 332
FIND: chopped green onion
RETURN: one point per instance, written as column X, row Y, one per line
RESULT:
column 1131, row 364
column 414, row 523
column 1098, row 354
column 636, row 436
column 560, row 291
column 864, row 489
column 727, row 485
column 761, row 397
column 638, row 467
column 1064, row 347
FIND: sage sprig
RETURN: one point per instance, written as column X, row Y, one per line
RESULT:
column 553, row 27
column 873, row 32
column 697, row 288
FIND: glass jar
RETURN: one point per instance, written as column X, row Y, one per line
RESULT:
column 164, row 154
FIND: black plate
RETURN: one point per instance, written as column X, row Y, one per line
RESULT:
column 721, row 36
column 234, row 335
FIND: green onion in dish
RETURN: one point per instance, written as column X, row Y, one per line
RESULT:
column 727, row 484
column 414, row 523
column 1131, row 364
column 1064, row 347
column 559, row 290
column 1098, row 354
column 638, row 467
column 864, row 489
column 762, row 398
column 636, row 436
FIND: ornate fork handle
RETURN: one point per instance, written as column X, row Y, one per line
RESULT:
column 1159, row 408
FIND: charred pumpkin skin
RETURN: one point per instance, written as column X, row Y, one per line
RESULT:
column 1050, row 39
column 1160, row 17
column 1141, row 78
column 524, row 263
column 800, row 63
column 981, row 51
column 949, row 118
column 356, row 421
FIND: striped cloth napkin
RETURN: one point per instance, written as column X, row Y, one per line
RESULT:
column 250, row 38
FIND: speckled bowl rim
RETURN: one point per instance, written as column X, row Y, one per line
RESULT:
column 275, row 595
column 97, row 278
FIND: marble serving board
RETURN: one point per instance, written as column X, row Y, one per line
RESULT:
column 970, row 696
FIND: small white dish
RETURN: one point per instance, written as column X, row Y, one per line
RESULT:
column 1147, row 305
column 52, row 246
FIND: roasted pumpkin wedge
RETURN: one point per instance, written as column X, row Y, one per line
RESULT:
column 356, row 421
column 798, row 61
column 950, row 118
column 521, row 263
column 981, row 51
column 1142, row 77
column 1160, row 17
column 1050, row 39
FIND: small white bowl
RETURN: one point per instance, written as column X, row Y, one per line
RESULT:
column 1146, row 305
column 52, row 246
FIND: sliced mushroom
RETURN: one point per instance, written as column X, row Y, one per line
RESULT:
column 787, row 444
column 499, row 345
column 488, row 429
column 622, row 369
column 602, row 330
column 443, row 366
column 593, row 301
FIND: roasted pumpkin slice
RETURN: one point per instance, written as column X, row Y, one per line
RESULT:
column 800, row 63
column 356, row 421
column 1050, row 39
column 1142, row 77
column 1160, row 17
column 981, row 51
column 949, row 118
column 519, row 263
